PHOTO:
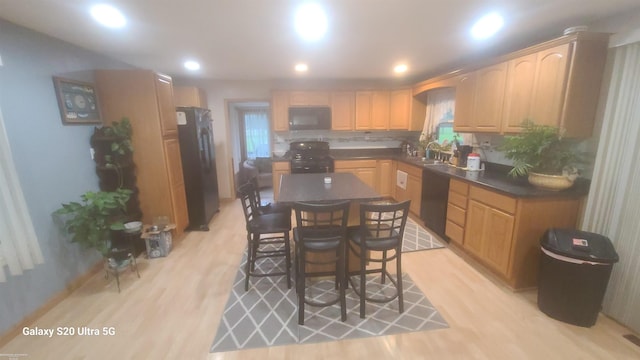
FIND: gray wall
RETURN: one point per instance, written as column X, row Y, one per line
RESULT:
column 52, row 159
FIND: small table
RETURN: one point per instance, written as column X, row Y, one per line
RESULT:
column 343, row 186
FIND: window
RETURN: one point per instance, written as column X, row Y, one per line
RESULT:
column 256, row 140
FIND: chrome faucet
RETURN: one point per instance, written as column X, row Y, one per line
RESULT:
column 428, row 149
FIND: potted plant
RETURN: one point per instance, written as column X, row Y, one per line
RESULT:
column 542, row 152
column 91, row 220
column 113, row 143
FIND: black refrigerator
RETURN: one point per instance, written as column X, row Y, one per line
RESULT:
column 195, row 133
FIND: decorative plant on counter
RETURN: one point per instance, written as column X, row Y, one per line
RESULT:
column 542, row 149
column 91, row 220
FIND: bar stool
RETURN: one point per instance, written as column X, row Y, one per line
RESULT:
column 269, row 208
column 320, row 242
column 381, row 230
column 267, row 236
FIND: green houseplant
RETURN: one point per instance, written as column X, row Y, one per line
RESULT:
column 91, row 220
column 542, row 151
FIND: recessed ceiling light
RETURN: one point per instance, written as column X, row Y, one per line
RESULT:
column 487, row 26
column 311, row 21
column 401, row 68
column 192, row 65
column 108, row 16
column 301, row 67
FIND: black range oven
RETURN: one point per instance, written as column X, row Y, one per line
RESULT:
column 310, row 157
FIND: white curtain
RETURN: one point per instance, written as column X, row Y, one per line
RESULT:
column 19, row 248
column 440, row 107
column 614, row 199
column 256, row 123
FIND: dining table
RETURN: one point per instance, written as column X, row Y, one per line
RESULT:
column 329, row 187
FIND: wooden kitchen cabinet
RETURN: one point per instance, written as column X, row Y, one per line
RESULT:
column 190, row 96
column 309, row 98
column 280, row 111
column 384, row 177
column 279, row 168
column 405, row 113
column 503, row 232
column 465, row 97
column 456, row 210
column 365, row 170
column 146, row 98
column 555, row 83
column 520, row 90
column 480, row 99
column 343, row 104
column 413, row 189
column 372, row 110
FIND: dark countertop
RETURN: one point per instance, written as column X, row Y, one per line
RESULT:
column 494, row 177
column 311, row 187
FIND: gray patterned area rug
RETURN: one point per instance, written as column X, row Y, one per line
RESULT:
column 266, row 315
column 417, row 238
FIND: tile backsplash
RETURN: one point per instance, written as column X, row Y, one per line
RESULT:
column 346, row 139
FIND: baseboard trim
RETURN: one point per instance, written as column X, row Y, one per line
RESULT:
column 49, row 304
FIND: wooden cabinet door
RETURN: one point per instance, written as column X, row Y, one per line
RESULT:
column 400, row 109
column 280, row 111
column 497, row 238
column 190, row 96
column 380, row 110
column 343, row 105
column 364, row 104
column 309, row 98
column 367, row 175
column 278, row 168
column 550, row 83
column 519, row 97
column 474, row 227
column 166, row 107
column 414, row 188
column 465, row 90
column 384, row 178
column 489, row 98
column 176, row 185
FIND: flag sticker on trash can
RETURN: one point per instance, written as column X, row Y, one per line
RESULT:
column 580, row 242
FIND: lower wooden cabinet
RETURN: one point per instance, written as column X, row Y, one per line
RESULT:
column 278, row 168
column 384, row 177
column 456, row 210
column 503, row 232
column 365, row 170
column 413, row 188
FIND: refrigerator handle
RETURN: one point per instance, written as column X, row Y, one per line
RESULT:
column 205, row 150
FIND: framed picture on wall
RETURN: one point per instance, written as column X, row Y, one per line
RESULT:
column 77, row 101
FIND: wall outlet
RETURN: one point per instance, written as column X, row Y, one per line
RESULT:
column 485, row 144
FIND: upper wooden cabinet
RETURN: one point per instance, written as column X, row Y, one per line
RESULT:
column 480, row 99
column 309, row 98
column 343, row 105
column 146, row 98
column 554, row 83
column 406, row 113
column 190, row 96
column 280, row 111
column 372, row 110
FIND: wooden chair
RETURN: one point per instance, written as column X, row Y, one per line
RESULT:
column 320, row 243
column 267, row 236
column 268, row 208
column 380, row 232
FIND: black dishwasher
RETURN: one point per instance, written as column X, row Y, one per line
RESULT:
column 435, row 193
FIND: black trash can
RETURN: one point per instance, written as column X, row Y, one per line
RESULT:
column 574, row 272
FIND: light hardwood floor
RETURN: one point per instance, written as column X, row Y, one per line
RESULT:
column 173, row 311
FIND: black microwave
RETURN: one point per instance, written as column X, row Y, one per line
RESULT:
column 310, row 118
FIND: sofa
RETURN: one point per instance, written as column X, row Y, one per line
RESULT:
column 260, row 167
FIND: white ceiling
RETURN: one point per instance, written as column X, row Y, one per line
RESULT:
column 254, row 39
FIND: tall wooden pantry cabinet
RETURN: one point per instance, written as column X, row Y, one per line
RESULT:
column 146, row 98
